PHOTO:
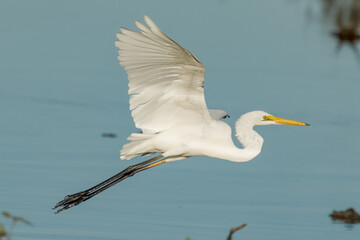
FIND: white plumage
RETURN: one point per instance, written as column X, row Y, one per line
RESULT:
column 165, row 80
column 166, row 87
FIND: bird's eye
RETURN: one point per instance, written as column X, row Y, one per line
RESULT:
column 265, row 118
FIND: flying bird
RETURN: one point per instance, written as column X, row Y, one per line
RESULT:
column 167, row 103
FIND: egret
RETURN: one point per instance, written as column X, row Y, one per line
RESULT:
column 167, row 103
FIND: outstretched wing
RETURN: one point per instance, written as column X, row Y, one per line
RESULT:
column 166, row 82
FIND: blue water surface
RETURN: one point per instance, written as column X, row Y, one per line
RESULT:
column 61, row 87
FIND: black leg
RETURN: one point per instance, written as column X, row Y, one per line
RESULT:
column 77, row 198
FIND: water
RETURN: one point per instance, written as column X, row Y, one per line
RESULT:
column 61, row 88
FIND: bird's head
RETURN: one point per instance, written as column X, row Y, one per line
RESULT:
column 264, row 118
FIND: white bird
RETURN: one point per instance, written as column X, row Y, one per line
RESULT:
column 166, row 88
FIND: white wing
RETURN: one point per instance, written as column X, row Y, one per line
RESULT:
column 166, row 82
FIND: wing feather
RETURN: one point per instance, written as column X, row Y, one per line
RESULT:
column 165, row 80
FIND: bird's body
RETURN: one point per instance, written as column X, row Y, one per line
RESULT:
column 213, row 139
column 166, row 88
column 189, row 140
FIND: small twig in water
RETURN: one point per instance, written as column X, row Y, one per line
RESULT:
column 234, row 230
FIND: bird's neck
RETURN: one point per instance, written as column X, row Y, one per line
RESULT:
column 246, row 135
column 251, row 141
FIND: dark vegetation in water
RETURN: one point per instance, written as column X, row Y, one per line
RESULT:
column 348, row 216
column 347, row 26
column 344, row 16
column 232, row 231
column 109, row 135
column 7, row 233
column 341, row 20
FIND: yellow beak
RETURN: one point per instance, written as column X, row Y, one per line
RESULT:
column 278, row 120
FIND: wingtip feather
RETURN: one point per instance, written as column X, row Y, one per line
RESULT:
column 118, row 35
column 142, row 26
column 147, row 19
column 150, row 23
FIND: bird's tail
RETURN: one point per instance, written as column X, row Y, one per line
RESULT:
column 139, row 144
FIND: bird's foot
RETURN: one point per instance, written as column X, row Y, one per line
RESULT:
column 71, row 201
